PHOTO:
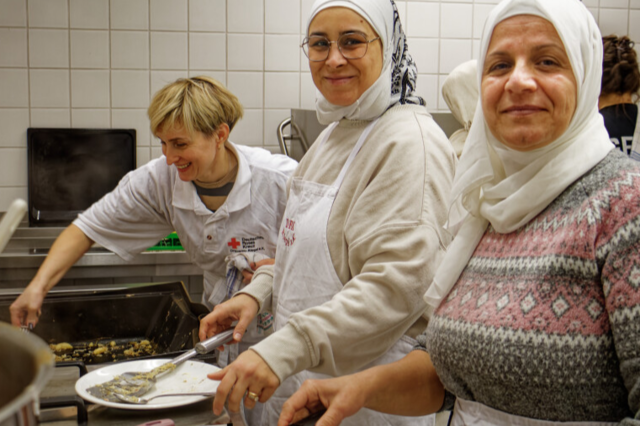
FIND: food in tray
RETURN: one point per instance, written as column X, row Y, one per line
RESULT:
column 61, row 347
column 103, row 350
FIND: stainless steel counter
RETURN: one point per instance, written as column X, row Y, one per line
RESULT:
column 33, row 258
column 28, row 248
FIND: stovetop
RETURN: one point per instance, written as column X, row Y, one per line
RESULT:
column 62, row 386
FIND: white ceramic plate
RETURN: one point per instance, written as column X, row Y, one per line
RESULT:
column 191, row 376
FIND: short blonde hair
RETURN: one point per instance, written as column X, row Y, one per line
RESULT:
column 198, row 104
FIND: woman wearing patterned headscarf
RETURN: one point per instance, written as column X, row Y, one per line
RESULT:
column 536, row 304
column 360, row 239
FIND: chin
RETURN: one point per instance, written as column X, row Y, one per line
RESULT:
column 525, row 144
column 340, row 99
column 343, row 103
column 185, row 178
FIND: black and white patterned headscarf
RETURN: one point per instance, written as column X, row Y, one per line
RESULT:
column 397, row 81
column 404, row 71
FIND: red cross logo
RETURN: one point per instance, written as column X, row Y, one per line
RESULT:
column 234, row 243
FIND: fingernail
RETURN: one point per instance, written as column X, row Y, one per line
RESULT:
column 237, row 336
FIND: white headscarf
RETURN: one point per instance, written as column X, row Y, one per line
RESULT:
column 507, row 188
column 397, row 81
column 460, row 92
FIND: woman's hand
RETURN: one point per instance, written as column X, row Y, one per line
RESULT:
column 408, row 387
column 242, row 308
column 25, row 309
column 248, row 373
column 248, row 275
column 65, row 251
column 341, row 397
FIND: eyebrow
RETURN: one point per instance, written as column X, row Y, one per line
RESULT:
column 320, row 33
column 536, row 48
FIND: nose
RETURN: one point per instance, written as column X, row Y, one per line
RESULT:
column 168, row 153
column 522, row 78
column 335, row 58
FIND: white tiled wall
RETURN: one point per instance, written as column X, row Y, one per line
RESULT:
column 97, row 63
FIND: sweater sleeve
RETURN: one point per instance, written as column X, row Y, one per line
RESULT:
column 621, row 283
column 393, row 241
column 449, row 397
column 363, row 320
column 261, row 287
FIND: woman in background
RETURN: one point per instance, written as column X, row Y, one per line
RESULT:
column 460, row 92
column 619, row 92
column 361, row 235
column 537, row 300
column 218, row 196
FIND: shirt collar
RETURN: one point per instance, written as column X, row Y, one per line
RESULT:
column 186, row 197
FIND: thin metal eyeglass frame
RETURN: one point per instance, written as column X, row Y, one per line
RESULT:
column 306, row 41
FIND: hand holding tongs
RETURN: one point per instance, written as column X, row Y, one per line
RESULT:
column 200, row 348
column 137, row 383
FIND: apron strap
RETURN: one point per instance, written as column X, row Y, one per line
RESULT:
column 327, row 134
column 354, row 151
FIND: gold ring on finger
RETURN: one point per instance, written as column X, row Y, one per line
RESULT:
column 253, row 396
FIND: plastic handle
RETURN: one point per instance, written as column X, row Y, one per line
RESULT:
column 213, row 342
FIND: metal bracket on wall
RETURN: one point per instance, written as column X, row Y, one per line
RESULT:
column 299, row 136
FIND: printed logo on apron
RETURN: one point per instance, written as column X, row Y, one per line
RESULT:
column 288, row 232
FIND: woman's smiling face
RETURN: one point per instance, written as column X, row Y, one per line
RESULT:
column 193, row 155
column 342, row 81
column 529, row 91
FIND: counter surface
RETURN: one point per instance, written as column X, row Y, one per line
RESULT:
column 28, row 248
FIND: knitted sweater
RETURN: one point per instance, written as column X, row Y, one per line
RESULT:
column 544, row 322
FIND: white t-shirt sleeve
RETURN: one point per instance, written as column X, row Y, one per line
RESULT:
column 131, row 218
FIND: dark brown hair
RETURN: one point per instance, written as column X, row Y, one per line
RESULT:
column 619, row 66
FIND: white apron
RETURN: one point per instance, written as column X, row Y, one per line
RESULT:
column 305, row 277
column 469, row 413
column 215, row 292
column 635, row 144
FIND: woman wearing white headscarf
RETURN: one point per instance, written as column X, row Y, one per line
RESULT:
column 365, row 210
column 460, row 92
column 536, row 305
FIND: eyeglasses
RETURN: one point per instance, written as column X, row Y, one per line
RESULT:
column 351, row 45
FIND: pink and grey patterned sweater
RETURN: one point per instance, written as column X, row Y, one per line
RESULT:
column 544, row 322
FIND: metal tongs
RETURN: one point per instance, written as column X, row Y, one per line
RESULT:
column 137, row 383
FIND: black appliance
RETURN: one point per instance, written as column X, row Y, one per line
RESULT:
column 70, row 169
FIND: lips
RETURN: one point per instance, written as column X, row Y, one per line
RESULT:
column 522, row 109
column 183, row 166
column 338, row 80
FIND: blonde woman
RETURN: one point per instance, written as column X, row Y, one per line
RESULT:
column 218, row 196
